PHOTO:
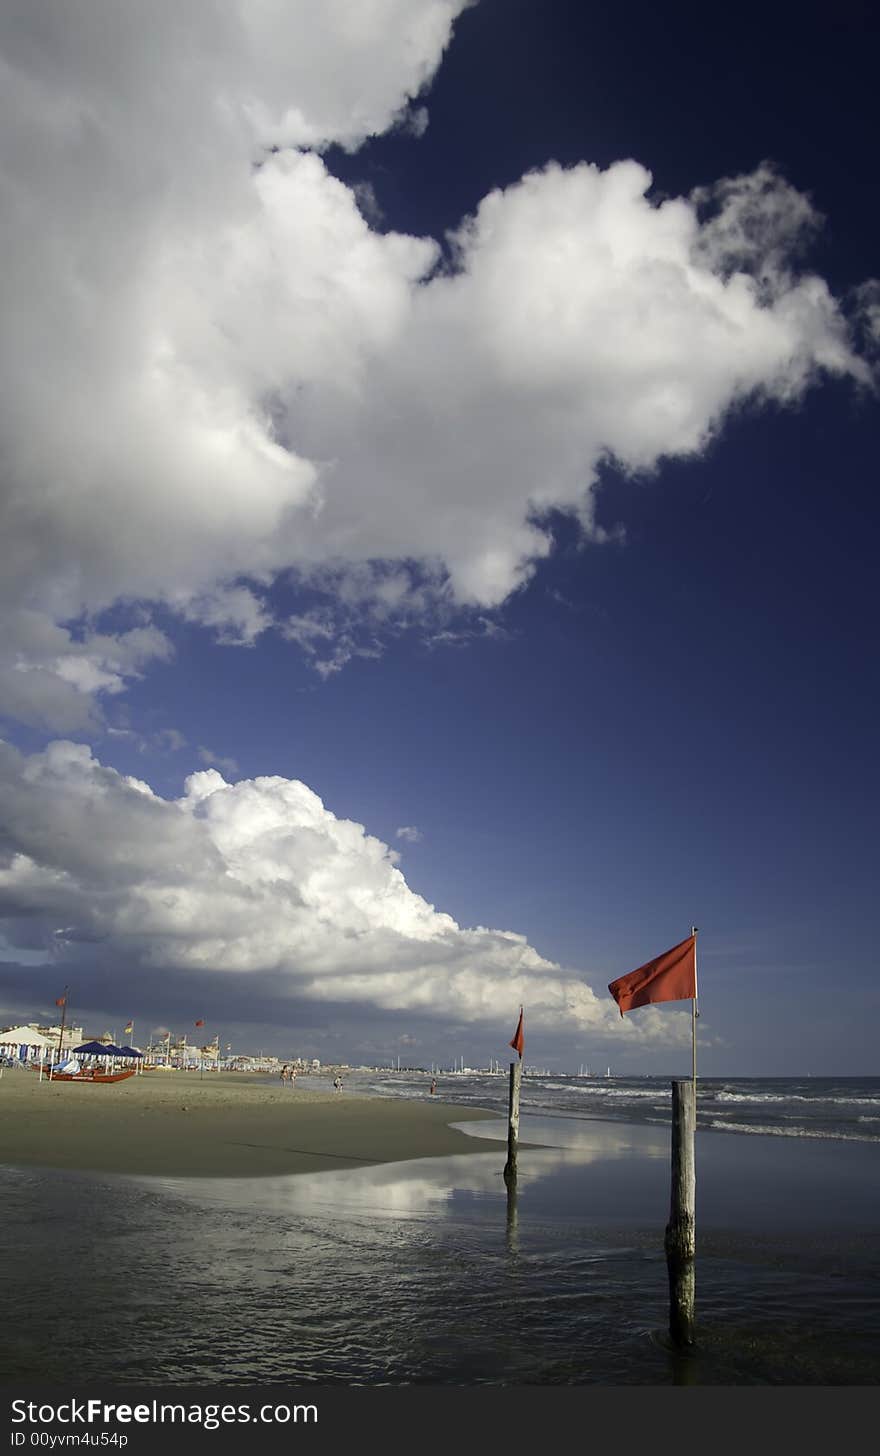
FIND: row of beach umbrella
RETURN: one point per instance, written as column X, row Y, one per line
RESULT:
column 104, row 1049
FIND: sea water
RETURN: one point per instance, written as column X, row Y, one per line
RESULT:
column 839, row 1108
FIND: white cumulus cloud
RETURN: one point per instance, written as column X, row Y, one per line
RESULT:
column 258, row 879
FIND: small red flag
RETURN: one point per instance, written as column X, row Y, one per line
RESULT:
column 518, row 1042
column 60, row 1000
column 672, row 976
column 200, row 1023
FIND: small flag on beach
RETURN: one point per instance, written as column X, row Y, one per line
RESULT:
column 128, row 1028
column 672, row 976
column 518, row 1041
column 60, row 1000
column 200, row 1023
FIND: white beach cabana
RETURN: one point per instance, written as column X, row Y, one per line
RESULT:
column 24, row 1043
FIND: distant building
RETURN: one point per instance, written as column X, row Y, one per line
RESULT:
column 73, row 1036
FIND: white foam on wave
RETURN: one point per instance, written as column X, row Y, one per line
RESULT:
column 795, row 1097
column 795, row 1132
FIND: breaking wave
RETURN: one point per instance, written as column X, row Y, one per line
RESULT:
column 768, row 1129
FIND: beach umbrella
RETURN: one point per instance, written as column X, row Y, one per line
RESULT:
column 108, row 1051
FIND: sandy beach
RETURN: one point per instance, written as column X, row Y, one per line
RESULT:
column 177, row 1124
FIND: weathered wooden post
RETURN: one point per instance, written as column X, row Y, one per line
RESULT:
column 512, row 1218
column 517, row 1041
column 681, row 1230
column 513, row 1122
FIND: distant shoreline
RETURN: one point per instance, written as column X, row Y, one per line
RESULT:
column 183, row 1125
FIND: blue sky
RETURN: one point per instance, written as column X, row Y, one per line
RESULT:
column 544, row 538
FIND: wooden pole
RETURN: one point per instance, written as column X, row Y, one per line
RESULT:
column 513, row 1122
column 681, row 1230
column 512, row 1218
column 61, row 1032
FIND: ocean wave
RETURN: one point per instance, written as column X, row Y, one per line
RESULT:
column 768, row 1130
column 795, row 1097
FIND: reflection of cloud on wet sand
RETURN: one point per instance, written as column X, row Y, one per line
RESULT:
column 585, row 1141
column 427, row 1185
column 395, row 1190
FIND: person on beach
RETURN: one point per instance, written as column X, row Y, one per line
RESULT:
column 337, row 1083
column 283, row 1074
column 292, row 1076
column 433, row 1085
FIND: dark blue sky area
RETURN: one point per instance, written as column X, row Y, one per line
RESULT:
column 692, row 95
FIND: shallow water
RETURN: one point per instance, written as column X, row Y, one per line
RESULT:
column 426, row 1273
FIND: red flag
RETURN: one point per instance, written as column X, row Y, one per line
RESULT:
column 200, row 1023
column 671, row 977
column 60, row 1000
column 518, row 1042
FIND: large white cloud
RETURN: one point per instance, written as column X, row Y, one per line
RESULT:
column 259, row 879
column 213, row 368
column 582, row 321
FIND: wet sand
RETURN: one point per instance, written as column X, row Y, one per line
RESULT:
column 177, row 1124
